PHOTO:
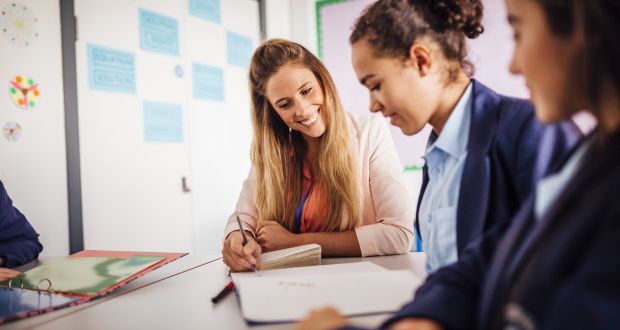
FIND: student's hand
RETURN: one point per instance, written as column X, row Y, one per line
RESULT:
column 271, row 236
column 7, row 274
column 238, row 257
column 416, row 324
column 327, row 318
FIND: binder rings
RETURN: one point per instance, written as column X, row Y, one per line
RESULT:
column 73, row 280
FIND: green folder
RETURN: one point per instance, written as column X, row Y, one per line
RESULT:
column 82, row 275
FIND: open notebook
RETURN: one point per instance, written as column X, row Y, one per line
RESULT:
column 73, row 280
column 360, row 288
column 303, row 255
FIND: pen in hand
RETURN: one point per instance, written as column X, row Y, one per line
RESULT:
column 245, row 241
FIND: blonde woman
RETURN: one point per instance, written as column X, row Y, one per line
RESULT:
column 319, row 174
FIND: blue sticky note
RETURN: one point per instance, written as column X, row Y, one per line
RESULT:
column 159, row 33
column 111, row 70
column 205, row 9
column 208, row 82
column 239, row 49
column 163, row 122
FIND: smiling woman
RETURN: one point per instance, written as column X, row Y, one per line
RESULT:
column 319, row 175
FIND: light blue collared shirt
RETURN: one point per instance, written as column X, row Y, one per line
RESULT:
column 549, row 188
column 445, row 159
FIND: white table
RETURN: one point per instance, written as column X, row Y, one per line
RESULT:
column 167, row 271
column 184, row 302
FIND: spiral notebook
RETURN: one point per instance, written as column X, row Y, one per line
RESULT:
column 75, row 279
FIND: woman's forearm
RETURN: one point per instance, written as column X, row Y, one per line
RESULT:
column 334, row 244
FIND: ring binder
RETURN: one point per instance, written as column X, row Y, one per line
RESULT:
column 11, row 282
column 49, row 288
column 38, row 294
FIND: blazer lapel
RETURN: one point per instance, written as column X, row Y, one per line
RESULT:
column 476, row 180
column 495, row 280
column 417, row 210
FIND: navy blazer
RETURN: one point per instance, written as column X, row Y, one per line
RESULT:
column 502, row 165
column 561, row 272
column 19, row 243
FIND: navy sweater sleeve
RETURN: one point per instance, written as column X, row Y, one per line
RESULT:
column 19, row 242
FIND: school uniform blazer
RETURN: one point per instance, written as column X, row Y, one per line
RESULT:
column 19, row 243
column 387, row 212
column 502, row 164
column 560, row 272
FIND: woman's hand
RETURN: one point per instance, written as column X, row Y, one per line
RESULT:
column 238, row 257
column 7, row 274
column 327, row 318
column 416, row 324
column 271, row 236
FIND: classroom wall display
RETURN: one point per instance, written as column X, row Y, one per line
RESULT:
column 24, row 92
column 12, row 131
column 159, row 33
column 205, row 9
column 163, row 122
column 170, row 150
column 32, row 118
column 19, row 24
column 239, row 49
column 111, row 69
column 208, row 82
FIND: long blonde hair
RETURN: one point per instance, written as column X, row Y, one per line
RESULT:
column 277, row 153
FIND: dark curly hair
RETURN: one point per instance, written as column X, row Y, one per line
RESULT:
column 392, row 26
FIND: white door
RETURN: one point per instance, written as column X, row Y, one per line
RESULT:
column 220, row 129
column 133, row 120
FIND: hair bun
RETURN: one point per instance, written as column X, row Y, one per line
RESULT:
column 458, row 15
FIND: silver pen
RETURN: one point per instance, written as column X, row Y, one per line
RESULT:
column 245, row 240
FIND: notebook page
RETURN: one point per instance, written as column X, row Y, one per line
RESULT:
column 285, row 253
column 292, row 297
column 354, row 267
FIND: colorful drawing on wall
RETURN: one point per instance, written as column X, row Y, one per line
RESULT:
column 208, row 82
column 205, row 9
column 19, row 25
column 159, row 33
column 111, row 69
column 239, row 49
column 24, row 92
column 163, row 122
column 12, row 131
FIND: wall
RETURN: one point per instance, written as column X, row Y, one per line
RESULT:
column 33, row 168
column 133, row 196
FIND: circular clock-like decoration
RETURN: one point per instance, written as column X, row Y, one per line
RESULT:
column 11, row 131
column 19, row 24
column 24, row 92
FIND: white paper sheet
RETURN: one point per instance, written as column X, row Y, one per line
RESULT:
column 290, row 295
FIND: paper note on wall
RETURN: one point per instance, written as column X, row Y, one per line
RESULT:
column 239, row 49
column 159, row 33
column 111, row 69
column 205, row 9
column 163, row 122
column 208, row 82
